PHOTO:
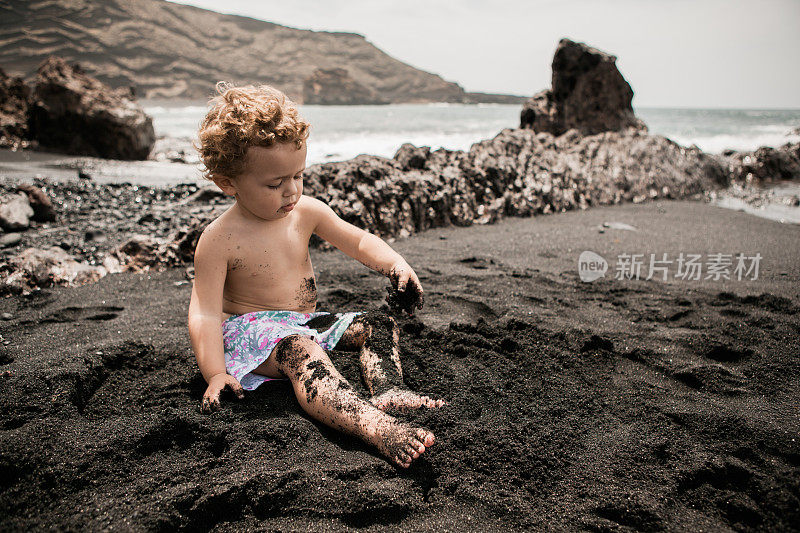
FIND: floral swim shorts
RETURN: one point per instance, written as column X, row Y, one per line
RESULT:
column 250, row 338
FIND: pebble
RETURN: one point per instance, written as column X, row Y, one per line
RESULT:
column 6, row 316
column 10, row 239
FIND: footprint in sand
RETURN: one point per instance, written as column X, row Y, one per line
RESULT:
column 477, row 262
column 713, row 377
column 73, row 314
column 727, row 354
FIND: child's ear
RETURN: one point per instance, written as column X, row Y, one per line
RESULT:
column 225, row 184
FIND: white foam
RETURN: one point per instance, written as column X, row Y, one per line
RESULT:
column 386, row 145
column 716, row 144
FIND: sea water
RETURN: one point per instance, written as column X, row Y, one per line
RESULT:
column 343, row 132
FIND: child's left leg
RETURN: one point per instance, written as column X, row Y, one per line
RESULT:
column 377, row 337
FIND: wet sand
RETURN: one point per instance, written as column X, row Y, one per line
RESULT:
column 612, row 405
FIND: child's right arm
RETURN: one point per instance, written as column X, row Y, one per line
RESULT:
column 205, row 319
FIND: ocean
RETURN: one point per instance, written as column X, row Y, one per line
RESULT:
column 343, row 132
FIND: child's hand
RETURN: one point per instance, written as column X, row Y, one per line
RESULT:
column 215, row 386
column 407, row 292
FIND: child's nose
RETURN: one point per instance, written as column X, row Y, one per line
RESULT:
column 293, row 187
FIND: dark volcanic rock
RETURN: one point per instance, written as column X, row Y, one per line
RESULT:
column 410, row 156
column 588, row 93
column 518, row 173
column 766, row 164
column 335, row 86
column 76, row 114
column 15, row 98
column 43, row 210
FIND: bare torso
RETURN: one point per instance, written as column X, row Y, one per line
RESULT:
column 269, row 266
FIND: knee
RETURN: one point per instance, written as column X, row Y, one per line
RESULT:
column 378, row 320
column 293, row 351
column 379, row 326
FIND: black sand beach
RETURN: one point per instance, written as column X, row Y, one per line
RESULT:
column 605, row 406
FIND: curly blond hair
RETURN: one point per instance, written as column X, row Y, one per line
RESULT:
column 241, row 117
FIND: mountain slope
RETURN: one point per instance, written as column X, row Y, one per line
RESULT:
column 171, row 50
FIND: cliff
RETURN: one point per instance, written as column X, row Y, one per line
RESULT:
column 171, row 50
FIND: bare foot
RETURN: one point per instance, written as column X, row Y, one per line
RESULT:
column 403, row 399
column 401, row 443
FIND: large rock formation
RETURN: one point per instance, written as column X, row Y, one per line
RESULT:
column 335, row 86
column 518, row 173
column 169, row 50
column 76, row 114
column 588, row 93
column 15, row 98
column 765, row 164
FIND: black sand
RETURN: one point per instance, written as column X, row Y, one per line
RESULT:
column 604, row 406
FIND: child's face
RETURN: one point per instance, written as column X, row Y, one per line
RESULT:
column 272, row 179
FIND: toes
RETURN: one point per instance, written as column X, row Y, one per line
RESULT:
column 411, row 451
column 418, row 445
column 380, row 404
column 426, row 437
column 403, row 459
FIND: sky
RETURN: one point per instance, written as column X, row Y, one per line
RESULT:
column 674, row 53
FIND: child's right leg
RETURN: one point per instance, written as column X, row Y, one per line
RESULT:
column 325, row 395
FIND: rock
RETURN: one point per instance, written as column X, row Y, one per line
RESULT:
column 180, row 246
column 15, row 99
column 7, row 316
column 409, row 156
column 588, row 93
column 139, row 253
column 15, row 211
column 766, row 164
column 335, row 86
column 518, row 173
column 205, row 195
column 94, row 234
column 43, row 210
column 76, row 114
column 35, row 267
column 10, row 239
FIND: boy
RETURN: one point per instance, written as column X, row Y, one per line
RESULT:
column 252, row 314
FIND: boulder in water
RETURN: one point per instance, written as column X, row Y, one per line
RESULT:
column 588, row 94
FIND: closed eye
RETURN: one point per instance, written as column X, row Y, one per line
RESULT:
column 297, row 177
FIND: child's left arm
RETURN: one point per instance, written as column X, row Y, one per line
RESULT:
column 365, row 247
